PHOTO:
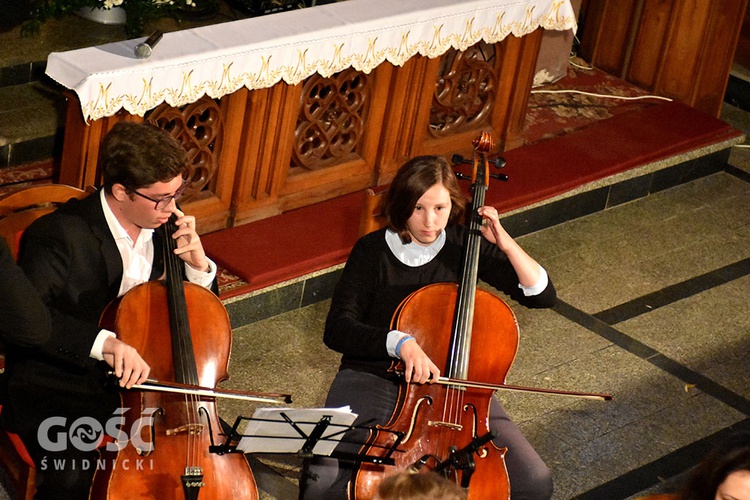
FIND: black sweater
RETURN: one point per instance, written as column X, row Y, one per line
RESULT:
column 374, row 282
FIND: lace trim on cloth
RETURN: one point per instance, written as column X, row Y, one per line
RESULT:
column 290, row 46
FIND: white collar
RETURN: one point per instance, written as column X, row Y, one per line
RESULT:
column 119, row 232
column 413, row 254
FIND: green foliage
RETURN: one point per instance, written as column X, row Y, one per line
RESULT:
column 138, row 12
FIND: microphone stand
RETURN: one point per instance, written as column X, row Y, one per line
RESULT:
column 463, row 459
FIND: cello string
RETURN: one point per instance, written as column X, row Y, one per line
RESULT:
column 472, row 258
column 452, row 405
column 459, row 363
column 183, row 356
column 469, row 270
column 447, row 406
column 460, row 406
column 460, row 351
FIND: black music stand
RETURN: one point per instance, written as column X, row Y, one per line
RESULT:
column 304, row 432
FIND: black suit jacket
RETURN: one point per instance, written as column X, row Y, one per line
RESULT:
column 25, row 320
column 72, row 259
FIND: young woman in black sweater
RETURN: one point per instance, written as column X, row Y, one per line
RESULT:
column 422, row 244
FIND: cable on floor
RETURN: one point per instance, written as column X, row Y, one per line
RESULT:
column 606, row 96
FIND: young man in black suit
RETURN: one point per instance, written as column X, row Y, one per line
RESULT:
column 81, row 257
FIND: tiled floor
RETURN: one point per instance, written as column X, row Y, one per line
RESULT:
column 653, row 310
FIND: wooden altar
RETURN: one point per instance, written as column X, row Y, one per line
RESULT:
column 261, row 150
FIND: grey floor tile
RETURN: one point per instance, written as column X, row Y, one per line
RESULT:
column 608, row 456
column 708, row 333
column 282, row 354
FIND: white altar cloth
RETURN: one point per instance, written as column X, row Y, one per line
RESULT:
column 290, row 46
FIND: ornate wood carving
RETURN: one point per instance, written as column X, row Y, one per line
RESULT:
column 464, row 91
column 332, row 114
column 262, row 152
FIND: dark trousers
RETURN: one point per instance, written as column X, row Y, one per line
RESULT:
column 370, row 396
column 61, row 475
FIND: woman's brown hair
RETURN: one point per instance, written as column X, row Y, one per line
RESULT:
column 730, row 455
column 412, row 180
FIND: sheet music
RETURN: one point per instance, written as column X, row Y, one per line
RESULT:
column 269, row 432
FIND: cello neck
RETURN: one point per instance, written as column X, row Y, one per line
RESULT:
column 458, row 355
column 185, row 367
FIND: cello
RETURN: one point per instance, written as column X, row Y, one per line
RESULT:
column 444, row 426
column 166, row 431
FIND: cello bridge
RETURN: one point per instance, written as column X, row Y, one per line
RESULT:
column 436, row 423
column 189, row 428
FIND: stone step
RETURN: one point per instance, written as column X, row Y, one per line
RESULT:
column 24, row 72
column 32, row 119
column 32, row 106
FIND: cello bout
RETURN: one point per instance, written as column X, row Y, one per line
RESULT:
column 166, row 453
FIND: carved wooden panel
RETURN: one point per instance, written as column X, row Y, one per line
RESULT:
column 258, row 153
column 331, row 123
column 199, row 128
column 464, row 90
column 445, row 102
column 337, row 126
column 681, row 49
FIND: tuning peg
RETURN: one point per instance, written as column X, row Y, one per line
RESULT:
column 461, row 176
column 460, row 160
column 498, row 162
column 500, row 177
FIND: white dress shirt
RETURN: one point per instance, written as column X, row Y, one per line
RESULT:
column 137, row 257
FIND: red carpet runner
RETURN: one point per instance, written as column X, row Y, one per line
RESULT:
column 301, row 241
column 289, row 245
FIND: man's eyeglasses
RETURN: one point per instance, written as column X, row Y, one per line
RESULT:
column 163, row 203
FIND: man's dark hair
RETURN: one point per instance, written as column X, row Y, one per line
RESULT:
column 140, row 154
